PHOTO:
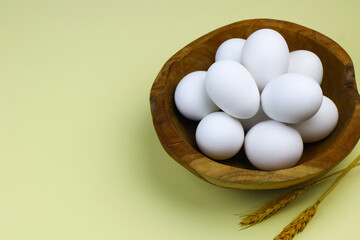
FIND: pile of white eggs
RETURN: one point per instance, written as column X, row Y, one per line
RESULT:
column 258, row 95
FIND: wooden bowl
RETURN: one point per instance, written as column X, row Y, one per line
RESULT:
column 177, row 134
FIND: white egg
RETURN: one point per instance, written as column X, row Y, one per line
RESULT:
column 219, row 136
column 232, row 88
column 291, row 98
column 306, row 62
column 266, row 55
column 230, row 50
column 260, row 116
column 191, row 98
column 321, row 124
column 271, row 145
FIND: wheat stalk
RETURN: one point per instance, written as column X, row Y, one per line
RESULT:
column 304, row 218
column 270, row 209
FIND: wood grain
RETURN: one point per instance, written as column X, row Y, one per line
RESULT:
column 177, row 134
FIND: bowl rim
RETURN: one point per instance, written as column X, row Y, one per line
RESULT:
column 202, row 166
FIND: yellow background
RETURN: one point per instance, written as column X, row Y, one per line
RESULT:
column 79, row 157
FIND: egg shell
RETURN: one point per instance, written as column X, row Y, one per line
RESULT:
column 321, row 124
column 306, row 62
column 271, row 145
column 291, row 98
column 219, row 136
column 260, row 116
column 233, row 89
column 230, row 50
column 191, row 98
column 266, row 55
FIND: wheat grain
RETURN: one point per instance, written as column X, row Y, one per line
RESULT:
column 270, row 209
column 298, row 224
column 304, row 218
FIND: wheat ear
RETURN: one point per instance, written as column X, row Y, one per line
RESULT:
column 282, row 201
column 270, row 209
column 298, row 224
column 304, row 218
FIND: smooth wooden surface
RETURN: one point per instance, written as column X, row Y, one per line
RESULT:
column 177, row 133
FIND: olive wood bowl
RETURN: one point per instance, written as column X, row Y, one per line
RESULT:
column 177, row 134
